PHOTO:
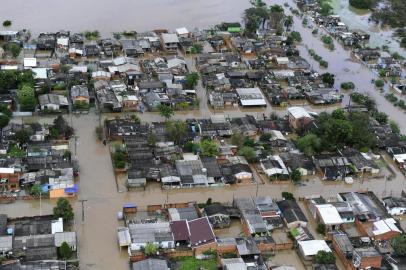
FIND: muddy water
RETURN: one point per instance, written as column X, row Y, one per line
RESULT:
column 358, row 19
column 342, row 64
column 113, row 16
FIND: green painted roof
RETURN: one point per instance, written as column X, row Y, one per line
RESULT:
column 234, row 29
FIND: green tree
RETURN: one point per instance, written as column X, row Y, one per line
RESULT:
column 60, row 129
column 7, row 23
column 321, row 228
column 394, row 127
column 35, row 190
column 150, row 249
column 22, row 136
column 324, row 257
column 328, row 78
column 166, row 111
column 288, row 196
column 196, row 48
column 191, row 80
column 237, row 139
column 325, row 9
column 296, row 36
column 26, row 97
column 4, row 120
column 295, row 176
column 288, row 22
column 309, row 144
column 14, row 49
column 64, row 210
column 65, row 252
column 249, row 154
column 347, row 85
column 209, row 148
column 362, row 4
column 379, row 83
column 192, row 147
column 176, row 131
column 381, row 117
column 399, row 245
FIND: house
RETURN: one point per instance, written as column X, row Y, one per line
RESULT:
column 183, row 213
column 299, row 118
column 361, row 161
column 328, row 215
column 9, row 179
column 182, row 32
column 192, row 173
column 394, row 205
column 274, row 167
column 237, row 172
column 80, row 94
column 385, row 229
column 220, row 215
column 300, row 162
column 202, row 237
column 366, row 205
column 53, row 102
column 212, row 169
column 150, row 264
column 30, row 63
column 158, row 233
column 308, row 249
column 366, row 258
column 252, row 221
column 250, row 97
column 136, row 178
column 292, row 214
column 170, row 42
column 197, row 234
column 332, row 167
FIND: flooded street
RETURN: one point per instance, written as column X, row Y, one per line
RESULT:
column 97, row 239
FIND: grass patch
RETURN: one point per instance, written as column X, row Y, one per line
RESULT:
column 191, row 263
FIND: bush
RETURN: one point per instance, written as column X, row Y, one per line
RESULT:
column 288, row 196
column 379, row 83
column 321, row 228
column 361, row 4
column 324, row 257
column 64, row 251
column 7, row 23
column 399, row 245
column 296, row 36
column 63, row 209
column 347, row 85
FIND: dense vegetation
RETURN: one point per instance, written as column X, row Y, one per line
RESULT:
column 362, row 4
column 337, row 130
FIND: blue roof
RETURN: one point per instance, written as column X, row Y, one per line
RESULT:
column 129, row 205
column 73, row 189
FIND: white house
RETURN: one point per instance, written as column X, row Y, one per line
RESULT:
column 308, row 249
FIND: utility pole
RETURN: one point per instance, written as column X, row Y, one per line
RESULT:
column 83, row 209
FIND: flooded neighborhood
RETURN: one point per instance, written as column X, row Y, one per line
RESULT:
column 202, row 135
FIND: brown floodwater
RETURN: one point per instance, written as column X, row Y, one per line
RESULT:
column 115, row 16
column 98, row 247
